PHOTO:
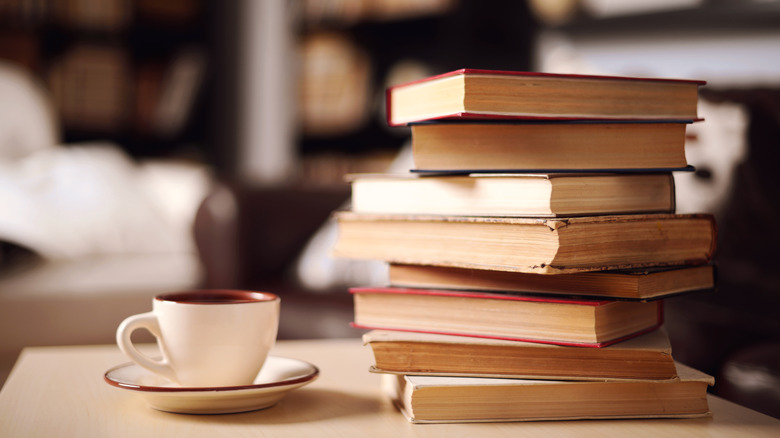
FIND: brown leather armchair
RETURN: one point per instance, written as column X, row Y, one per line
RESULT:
column 250, row 237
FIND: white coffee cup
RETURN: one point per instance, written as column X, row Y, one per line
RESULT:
column 208, row 338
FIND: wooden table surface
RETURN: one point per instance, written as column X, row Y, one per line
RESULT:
column 59, row 391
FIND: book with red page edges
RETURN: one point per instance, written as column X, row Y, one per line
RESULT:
column 494, row 94
column 559, row 321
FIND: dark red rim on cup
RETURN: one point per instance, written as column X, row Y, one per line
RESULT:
column 217, row 296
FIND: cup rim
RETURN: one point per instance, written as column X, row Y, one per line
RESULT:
column 216, row 296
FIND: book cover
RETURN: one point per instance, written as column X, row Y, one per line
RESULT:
column 515, row 317
column 538, row 195
column 642, row 284
column 544, row 246
column 548, row 147
column 492, row 94
column 433, row 399
column 645, row 357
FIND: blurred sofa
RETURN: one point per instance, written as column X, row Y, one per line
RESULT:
column 85, row 243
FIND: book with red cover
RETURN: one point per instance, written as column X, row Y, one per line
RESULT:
column 559, row 321
column 494, row 94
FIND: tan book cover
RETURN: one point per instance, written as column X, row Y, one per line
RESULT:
column 642, row 284
column 646, row 357
column 516, row 317
column 433, row 399
column 548, row 147
column 544, row 195
column 484, row 94
column 542, row 246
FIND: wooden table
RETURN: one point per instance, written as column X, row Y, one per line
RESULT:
column 59, row 391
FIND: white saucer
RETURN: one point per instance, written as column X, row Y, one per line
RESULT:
column 278, row 376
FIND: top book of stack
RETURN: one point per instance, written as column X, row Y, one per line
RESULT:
column 470, row 94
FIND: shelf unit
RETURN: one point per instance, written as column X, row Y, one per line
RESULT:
column 130, row 72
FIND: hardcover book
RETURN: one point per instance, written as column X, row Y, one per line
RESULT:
column 561, row 321
column 537, row 195
column 548, row 147
column 644, row 284
column 478, row 94
column 433, row 399
column 645, row 357
column 544, row 246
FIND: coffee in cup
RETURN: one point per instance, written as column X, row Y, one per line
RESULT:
column 208, row 338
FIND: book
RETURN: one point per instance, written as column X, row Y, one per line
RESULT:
column 476, row 94
column 178, row 92
column 572, row 146
column 645, row 284
column 537, row 195
column 434, row 399
column 335, row 90
column 561, row 321
column 91, row 86
column 645, row 357
column 533, row 245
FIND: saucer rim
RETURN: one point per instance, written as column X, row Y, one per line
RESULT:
column 310, row 376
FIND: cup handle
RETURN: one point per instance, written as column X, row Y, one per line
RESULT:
column 149, row 322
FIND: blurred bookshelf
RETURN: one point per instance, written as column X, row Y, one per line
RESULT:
column 731, row 44
column 275, row 92
column 350, row 51
column 131, row 72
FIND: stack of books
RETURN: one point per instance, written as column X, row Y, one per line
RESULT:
column 531, row 249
